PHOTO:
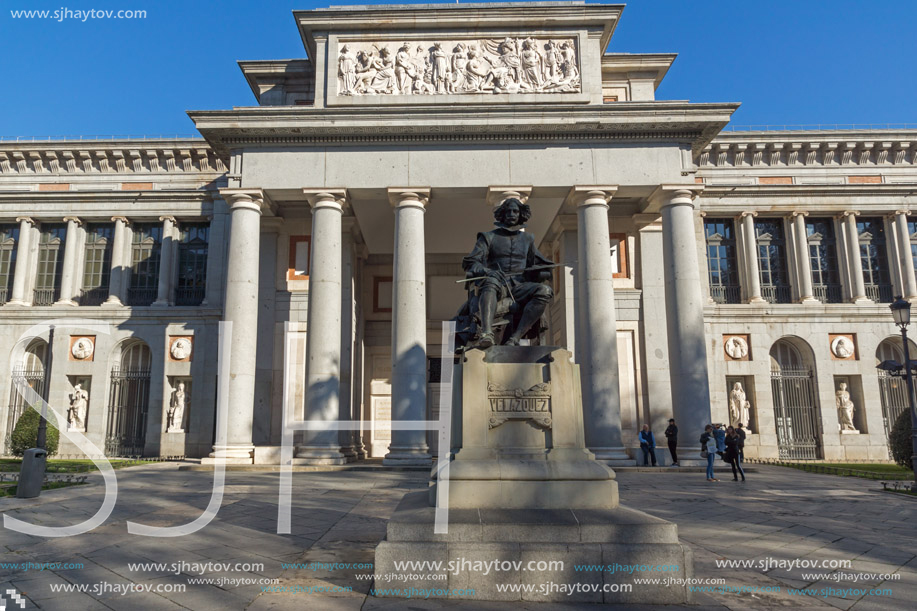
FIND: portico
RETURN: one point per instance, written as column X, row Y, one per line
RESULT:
column 381, row 193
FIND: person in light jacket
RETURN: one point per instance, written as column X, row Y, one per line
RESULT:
column 648, row 445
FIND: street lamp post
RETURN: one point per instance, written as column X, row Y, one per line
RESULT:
column 901, row 312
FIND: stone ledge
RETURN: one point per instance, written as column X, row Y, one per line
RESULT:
column 413, row 521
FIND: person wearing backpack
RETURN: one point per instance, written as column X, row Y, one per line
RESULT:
column 708, row 450
column 648, row 445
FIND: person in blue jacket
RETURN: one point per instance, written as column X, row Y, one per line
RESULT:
column 648, row 445
column 719, row 433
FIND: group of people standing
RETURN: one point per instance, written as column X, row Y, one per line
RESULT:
column 726, row 442
column 721, row 440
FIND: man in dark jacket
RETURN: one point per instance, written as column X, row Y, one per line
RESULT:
column 671, row 435
column 647, row 444
column 740, row 431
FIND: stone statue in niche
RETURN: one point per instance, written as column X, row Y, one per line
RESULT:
column 509, row 283
column 76, row 414
column 739, row 406
column 845, row 408
column 177, row 405
column 510, row 65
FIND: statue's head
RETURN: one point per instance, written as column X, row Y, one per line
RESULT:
column 181, row 386
column 843, row 385
column 512, row 212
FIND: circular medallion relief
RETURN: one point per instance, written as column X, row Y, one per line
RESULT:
column 181, row 349
column 736, row 347
column 82, row 348
column 842, row 347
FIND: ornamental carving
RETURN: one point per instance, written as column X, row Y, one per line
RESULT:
column 180, row 348
column 519, row 404
column 842, row 347
column 452, row 67
column 82, row 348
column 736, row 347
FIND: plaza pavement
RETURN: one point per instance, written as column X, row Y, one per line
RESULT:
column 340, row 516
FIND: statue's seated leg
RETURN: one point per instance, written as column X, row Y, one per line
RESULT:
column 488, row 308
column 536, row 297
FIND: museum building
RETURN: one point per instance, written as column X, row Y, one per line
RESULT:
column 708, row 276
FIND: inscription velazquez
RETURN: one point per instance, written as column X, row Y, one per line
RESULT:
column 520, row 404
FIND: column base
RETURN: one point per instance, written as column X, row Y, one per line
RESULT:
column 613, row 457
column 17, row 302
column 230, row 455
column 113, row 302
column 320, row 455
column 407, row 458
column 759, row 300
column 810, row 301
column 67, row 302
column 159, row 304
column 862, row 301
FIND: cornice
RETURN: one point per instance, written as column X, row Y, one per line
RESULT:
column 110, row 158
column 764, row 191
column 695, row 124
column 112, row 197
column 817, row 149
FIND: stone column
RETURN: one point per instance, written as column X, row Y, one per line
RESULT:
column 409, row 327
column 23, row 262
column 323, row 340
column 752, row 275
column 905, row 258
column 347, row 338
column 164, row 292
column 803, row 261
column 857, row 285
column 684, row 305
column 242, row 310
column 68, row 269
column 117, row 277
column 598, row 324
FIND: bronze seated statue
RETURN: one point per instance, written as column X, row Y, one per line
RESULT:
column 508, row 284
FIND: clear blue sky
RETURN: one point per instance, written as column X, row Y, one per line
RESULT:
column 801, row 62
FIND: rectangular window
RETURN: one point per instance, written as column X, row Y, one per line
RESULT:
column 822, row 245
column 100, row 238
column 299, row 257
column 50, row 263
column 619, row 255
column 874, row 259
column 722, row 268
column 193, row 247
column 9, row 240
column 146, row 245
column 770, row 237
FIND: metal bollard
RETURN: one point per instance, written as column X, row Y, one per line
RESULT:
column 32, row 473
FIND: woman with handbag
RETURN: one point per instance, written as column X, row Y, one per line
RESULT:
column 708, row 451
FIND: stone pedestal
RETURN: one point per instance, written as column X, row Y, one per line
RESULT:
column 523, row 487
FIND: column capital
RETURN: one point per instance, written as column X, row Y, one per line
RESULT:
column 751, row 213
column 121, row 219
column 27, row 219
column 409, row 197
column 676, row 194
column 497, row 195
column 252, row 199
column 802, row 213
column 169, row 218
column 74, row 219
column 326, row 198
column 901, row 212
column 591, row 195
column 849, row 213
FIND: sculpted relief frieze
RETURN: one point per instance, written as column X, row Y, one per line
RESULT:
column 454, row 67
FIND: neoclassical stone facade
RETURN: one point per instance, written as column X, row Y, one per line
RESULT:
column 710, row 276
